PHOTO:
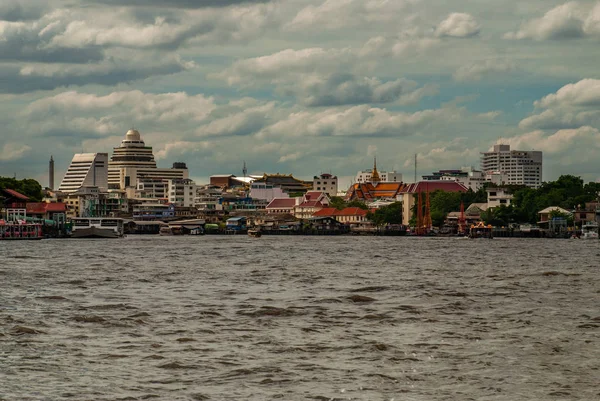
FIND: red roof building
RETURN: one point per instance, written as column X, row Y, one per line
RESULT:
column 281, row 205
column 45, row 210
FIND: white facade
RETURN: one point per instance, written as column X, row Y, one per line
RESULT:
column 86, row 170
column 267, row 192
column 474, row 179
column 384, row 176
column 151, row 188
column 520, row 167
column 326, row 183
column 182, row 192
column 133, row 160
column 498, row 196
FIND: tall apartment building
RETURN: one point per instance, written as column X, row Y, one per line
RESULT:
column 133, row 160
column 86, row 170
column 517, row 166
column 326, row 183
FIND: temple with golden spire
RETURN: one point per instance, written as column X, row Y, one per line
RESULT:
column 375, row 174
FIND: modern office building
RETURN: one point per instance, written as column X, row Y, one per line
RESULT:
column 133, row 160
column 518, row 166
column 86, row 170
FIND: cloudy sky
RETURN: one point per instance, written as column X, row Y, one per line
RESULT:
column 300, row 86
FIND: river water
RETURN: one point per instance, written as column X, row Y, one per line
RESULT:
column 299, row 318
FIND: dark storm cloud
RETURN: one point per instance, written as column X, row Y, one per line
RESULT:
column 12, row 81
column 25, row 50
column 25, row 11
column 191, row 4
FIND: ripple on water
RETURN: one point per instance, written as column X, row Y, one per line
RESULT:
column 295, row 318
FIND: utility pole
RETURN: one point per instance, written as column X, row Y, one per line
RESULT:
column 415, row 168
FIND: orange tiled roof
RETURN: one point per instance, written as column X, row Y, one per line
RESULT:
column 368, row 191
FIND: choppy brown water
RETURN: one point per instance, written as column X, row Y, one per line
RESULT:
column 299, row 318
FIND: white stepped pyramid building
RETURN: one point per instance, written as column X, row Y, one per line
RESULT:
column 86, row 170
column 134, row 160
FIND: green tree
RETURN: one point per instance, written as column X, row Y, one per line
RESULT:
column 27, row 187
column 358, row 204
column 390, row 214
column 337, row 202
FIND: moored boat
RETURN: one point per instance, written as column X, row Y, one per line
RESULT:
column 97, row 227
column 480, row 230
column 20, row 231
column 589, row 230
column 254, row 233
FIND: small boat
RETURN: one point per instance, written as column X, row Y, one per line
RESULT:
column 589, row 230
column 254, row 233
column 97, row 227
column 171, row 230
column 480, row 230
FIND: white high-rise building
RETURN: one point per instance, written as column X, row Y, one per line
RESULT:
column 133, row 160
column 86, row 170
column 519, row 167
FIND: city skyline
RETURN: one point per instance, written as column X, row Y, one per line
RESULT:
column 300, row 87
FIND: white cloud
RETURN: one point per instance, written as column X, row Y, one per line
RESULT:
column 453, row 154
column 178, row 148
column 127, row 106
column 458, row 25
column 480, row 70
column 572, row 106
column 339, row 14
column 583, row 93
column 358, row 121
column 13, row 151
column 573, row 142
column 567, row 21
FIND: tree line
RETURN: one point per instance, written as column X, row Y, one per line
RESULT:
column 28, row 187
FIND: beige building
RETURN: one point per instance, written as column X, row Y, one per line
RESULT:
column 133, row 160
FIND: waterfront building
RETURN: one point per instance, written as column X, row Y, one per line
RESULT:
column 590, row 212
column 56, row 211
column 266, row 191
column 208, row 198
column 544, row 214
column 152, row 209
column 468, row 176
column 281, row 206
column 133, row 159
column 182, row 192
column 286, row 182
column 327, row 183
column 497, row 196
column 86, row 170
column 91, row 201
column 407, row 194
column 154, row 188
column 310, row 203
column 520, row 167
